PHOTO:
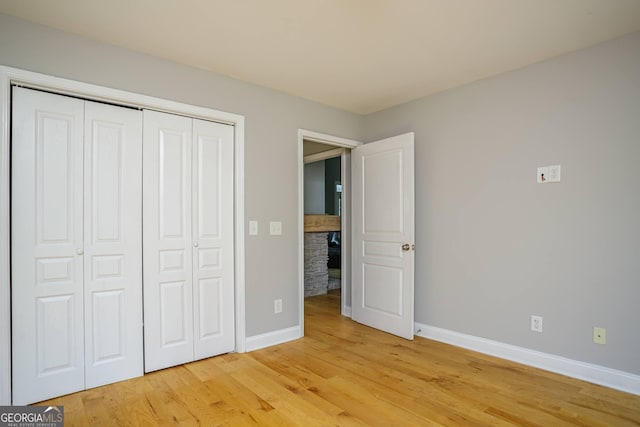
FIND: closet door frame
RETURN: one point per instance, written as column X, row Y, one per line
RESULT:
column 13, row 76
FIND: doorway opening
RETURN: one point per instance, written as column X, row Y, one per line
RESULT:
column 322, row 228
column 324, row 208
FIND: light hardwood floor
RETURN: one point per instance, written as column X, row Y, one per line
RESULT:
column 343, row 373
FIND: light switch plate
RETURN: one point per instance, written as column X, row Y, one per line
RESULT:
column 547, row 174
column 275, row 228
column 554, row 173
column 253, row 228
column 543, row 175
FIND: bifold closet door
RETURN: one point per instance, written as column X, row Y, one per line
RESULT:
column 46, row 246
column 76, row 245
column 188, row 239
column 168, row 290
column 112, row 244
column 212, row 231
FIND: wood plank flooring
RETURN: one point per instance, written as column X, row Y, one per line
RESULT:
column 343, row 373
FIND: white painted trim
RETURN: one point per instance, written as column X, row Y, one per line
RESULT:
column 269, row 339
column 117, row 96
column 10, row 76
column 307, row 135
column 596, row 374
column 325, row 155
column 5, row 293
column 301, row 232
column 239, row 236
column 324, row 138
column 345, row 237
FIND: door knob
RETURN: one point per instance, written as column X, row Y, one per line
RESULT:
column 79, row 251
column 406, row 247
column 195, row 244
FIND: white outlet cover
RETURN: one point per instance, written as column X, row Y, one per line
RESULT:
column 536, row 323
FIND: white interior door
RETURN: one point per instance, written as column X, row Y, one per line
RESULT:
column 383, row 235
column 167, row 240
column 213, row 278
column 46, row 246
column 112, row 243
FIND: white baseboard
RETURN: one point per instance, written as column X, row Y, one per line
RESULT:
column 596, row 374
column 257, row 342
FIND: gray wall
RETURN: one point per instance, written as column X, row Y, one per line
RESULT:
column 492, row 246
column 331, row 176
column 314, row 190
column 272, row 120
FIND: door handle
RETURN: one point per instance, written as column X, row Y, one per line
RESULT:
column 406, row 247
column 195, row 244
column 79, row 251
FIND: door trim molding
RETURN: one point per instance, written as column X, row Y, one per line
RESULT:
column 325, row 155
column 9, row 76
column 307, row 135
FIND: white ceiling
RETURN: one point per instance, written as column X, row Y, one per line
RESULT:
column 357, row 55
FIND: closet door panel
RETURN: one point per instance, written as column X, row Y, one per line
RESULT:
column 213, row 239
column 113, row 243
column 46, row 246
column 168, row 285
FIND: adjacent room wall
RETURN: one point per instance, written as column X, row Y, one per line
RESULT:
column 492, row 246
column 314, row 188
column 272, row 120
column 332, row 175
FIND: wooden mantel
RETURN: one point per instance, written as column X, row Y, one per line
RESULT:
column 321, row 223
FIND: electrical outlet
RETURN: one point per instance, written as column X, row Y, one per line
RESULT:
column 277, row 306
column 536, row 323
column 599, row 335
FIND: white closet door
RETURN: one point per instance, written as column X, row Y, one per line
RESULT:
column 46, row 246
column 213, row 280
column 167, row 255
column 113, row 243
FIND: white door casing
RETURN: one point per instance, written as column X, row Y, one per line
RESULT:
column 112, row 243
column 383, row 235
column 188, row 239
column 46, row 246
